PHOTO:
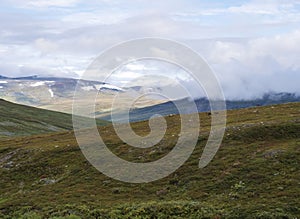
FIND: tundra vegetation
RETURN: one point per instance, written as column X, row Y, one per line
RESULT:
column 255, row 173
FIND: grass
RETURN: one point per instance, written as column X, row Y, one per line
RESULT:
column 255, row 174
column 20, row 120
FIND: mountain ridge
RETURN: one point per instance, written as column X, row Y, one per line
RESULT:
column 202, row 104
column 57, row 94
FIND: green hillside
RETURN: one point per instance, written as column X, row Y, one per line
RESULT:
column 255, row 174
column 20, row 120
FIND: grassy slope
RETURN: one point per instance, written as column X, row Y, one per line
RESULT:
column 20, row 120
column 254, row 174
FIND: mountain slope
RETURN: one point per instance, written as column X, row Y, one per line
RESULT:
column 202, row 104
column 255, row 174
column 20, row 120
column 57, row 94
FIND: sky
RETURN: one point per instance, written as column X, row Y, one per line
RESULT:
column 251, row 45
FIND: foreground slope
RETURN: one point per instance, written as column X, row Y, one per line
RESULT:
column 19, row 120
column 255, row 174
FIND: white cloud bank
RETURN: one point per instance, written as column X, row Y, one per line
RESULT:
column 256, row 66
column 253, row 46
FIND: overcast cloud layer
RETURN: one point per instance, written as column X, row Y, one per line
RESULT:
column 253, row 46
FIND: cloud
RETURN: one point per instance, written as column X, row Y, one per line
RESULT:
column 251, row 45
column 261, row 7
column 46, row 46
column 43, row 3
column 56, row 3
column 256, row 66
column 255, row 52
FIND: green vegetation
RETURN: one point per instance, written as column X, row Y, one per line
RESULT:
column 255, row 174
column 20, row 120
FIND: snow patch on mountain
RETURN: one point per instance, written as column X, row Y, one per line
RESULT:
column 51, row 92
column 37, row 84
column 3, row 82
column 41, row 83
column 108, row 86
column 88, row 88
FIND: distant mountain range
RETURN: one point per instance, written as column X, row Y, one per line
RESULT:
column 36, row 90
column 203, row 105
column 57, row 94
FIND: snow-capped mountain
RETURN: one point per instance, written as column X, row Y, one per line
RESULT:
column 57, row 93
column 38, row 90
